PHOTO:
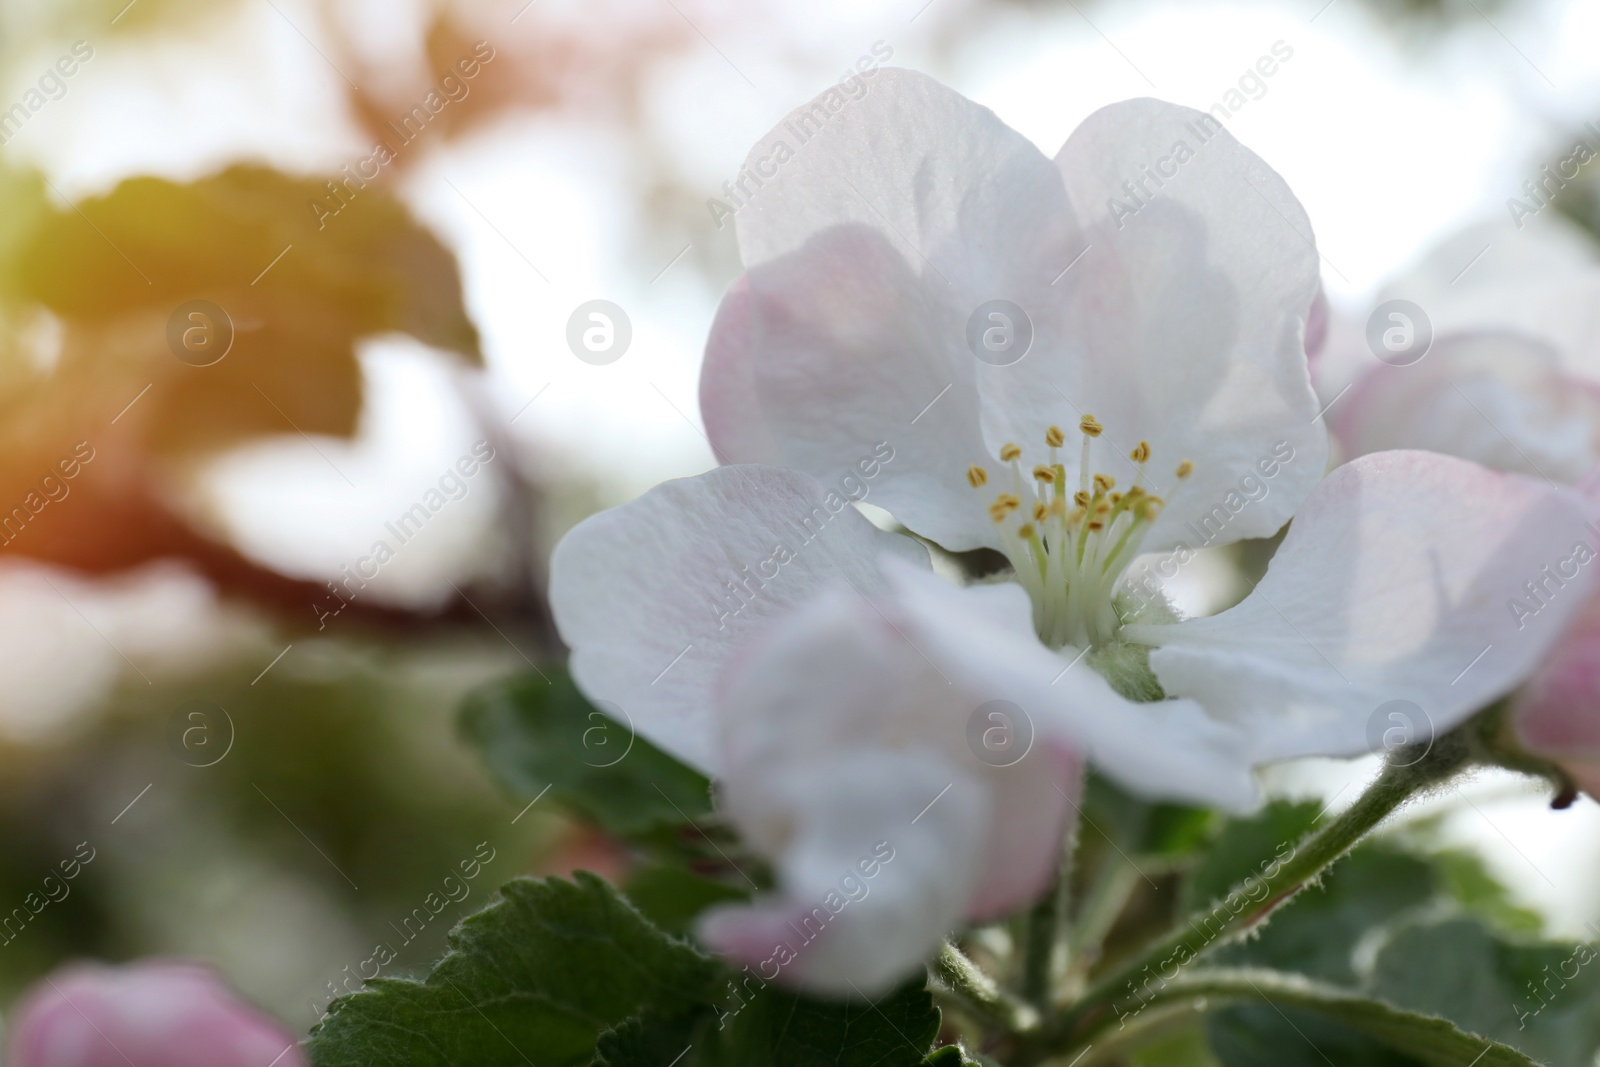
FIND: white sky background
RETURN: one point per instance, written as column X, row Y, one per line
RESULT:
column 1388, row 148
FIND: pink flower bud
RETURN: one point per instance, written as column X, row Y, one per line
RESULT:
column 149, row 1012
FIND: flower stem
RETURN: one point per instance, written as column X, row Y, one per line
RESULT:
column 1045, row 923
column 1249, row 903
column 980, row 992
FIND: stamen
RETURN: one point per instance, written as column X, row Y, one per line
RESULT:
column 1009, row 452
column 1103, row 483
column 1141, row 453
column 977, row 477
column 1044, row 474
column 1040, row 511
column 1090, row 426
column 1081, row 498
column 1054, row 437
column 1185, row 469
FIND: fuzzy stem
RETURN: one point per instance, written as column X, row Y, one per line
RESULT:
column 1258, row 896
column 1045, row 922
column 980, row 992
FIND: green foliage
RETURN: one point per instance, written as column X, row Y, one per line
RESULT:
column 1543, row 998
column 116, row 268
column 539, row 734
column 558, row 973
column 540, row 973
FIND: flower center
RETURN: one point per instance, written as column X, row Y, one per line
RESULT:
column 1069, row 546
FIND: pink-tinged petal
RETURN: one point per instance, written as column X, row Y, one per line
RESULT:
column 982, row 637
column 1498, row 399
column 867, row 887
column 1404, row 577
column 1317, row 329
column 730, row 407
column 970, row 204
column 653, row 596
column 152, row 1012
column 858, row 384
column 1557, row 713
column 1184, row 324
column 840, row 739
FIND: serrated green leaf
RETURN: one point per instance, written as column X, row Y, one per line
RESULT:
column 1541, row 998
column 1292, row 1022
column 781, row 1029
column 533, row 978
column 653, row 1042
column 537, row 734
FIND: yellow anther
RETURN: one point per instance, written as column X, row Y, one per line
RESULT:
column 1185, row 469
column 1081, row 498
column 1026, row 532
column 1102, row 508
column 1104, row 483
column 1009, row 452
column 1135, row 492
column 1040, row 511
column 1140, row 454
column 1058, row 506
column 1054, row 437
column 1097, row 525
column 998, row 511
column 977, row 477
column 1090, row 426
column 1116, row 498
column 1044, row 474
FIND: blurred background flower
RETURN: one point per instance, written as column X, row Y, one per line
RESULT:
column 385, row 216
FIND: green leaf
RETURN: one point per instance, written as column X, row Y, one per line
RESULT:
column 672, row 896
column 537, row 734
column 781, row 1029
column 1291, row 1022
column 1317, row 933
column 1541, row 998
column 1244, row 846
column 636, row 1042
column 298, row 294
column 535, row 977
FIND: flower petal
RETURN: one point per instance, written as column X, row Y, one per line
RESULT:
column 654, row 595
column 1400, row 579
column 1183, row 325
column 1498, row 399
column 982, row 638
column 849, row 374
column 729, row 403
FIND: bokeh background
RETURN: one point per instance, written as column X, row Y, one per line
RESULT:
column 267, row 775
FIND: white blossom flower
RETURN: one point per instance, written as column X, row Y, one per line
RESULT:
column 1513, row 383
column 756, row 624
